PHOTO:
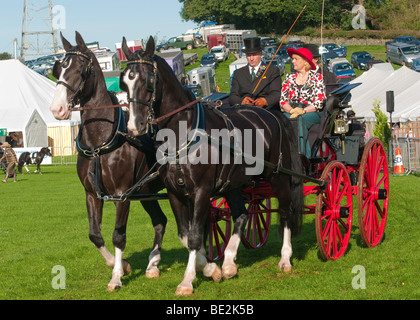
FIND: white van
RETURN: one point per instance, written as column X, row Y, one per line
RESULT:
column 221, row 53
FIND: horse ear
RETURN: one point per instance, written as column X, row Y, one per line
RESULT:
column 66, row 45
column 150, row 47
column 125, row 49
column 81, row 43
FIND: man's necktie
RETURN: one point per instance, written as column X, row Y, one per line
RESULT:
column 252, row 74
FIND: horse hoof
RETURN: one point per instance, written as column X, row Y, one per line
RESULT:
column 285, row 268
column 126, row 267
column 229, row 271
column 153, row 273
column 217, row 274
column 113, row 287
column 184, row 291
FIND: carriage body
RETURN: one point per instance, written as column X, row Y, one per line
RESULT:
column 349, row 166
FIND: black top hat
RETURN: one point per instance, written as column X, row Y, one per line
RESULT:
column 252, row 45
column 314, row 49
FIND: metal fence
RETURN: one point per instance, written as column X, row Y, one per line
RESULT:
column 410, row 152
column 64, row 155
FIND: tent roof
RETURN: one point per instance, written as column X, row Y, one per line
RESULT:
column 382, row 78
column 24, row 90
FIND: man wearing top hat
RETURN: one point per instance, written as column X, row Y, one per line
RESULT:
column 246, row 86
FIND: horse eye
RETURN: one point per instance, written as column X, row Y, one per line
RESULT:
column 131, row 75
column 65, row 63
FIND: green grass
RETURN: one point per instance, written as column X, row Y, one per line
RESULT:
column 43, row 223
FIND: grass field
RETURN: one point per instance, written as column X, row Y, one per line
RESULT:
column 43, row 224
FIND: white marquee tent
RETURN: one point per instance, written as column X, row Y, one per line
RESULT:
column 382, row 78
column 23, row 92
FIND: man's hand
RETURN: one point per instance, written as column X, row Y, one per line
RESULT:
column 260, row 102
column 294, row 115
column 247, row 100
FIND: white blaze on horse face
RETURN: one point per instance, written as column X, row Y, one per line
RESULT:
column 131, row 125
column 59, row 105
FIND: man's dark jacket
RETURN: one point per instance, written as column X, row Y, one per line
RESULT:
column 269, row 88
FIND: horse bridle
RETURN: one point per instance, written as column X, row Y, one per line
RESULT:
column 87, row 69
column 151, row 83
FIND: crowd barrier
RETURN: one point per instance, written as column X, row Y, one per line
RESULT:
column 410, row 152
column 63, row 155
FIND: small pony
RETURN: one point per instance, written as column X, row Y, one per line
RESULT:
column 24, row 160
column 37, row 158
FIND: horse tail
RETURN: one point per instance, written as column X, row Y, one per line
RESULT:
column 295, row 216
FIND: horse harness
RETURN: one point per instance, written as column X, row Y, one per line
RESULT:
column 151, row 83
column 87, row 69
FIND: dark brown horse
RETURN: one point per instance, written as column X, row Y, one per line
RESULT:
column 107, row 163
column 154, row 94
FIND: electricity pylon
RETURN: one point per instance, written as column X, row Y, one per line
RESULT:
column 38, row 34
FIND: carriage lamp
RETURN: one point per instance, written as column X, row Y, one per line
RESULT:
column 340, row 126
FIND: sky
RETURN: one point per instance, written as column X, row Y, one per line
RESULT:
column 106, row 21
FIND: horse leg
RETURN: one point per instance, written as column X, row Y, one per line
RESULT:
column 159, row 221
column 119, row 241
column 27, row 169
column 190, row 232
column 240, row 215
column 94, row 208
column 286, row 250
column 290, row 211
column 38, row 168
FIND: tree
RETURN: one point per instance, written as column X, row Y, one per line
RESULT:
column 5, row 56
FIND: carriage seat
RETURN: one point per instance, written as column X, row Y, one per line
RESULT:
column 317, row 131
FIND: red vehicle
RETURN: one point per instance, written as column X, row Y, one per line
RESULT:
column 215, row 40
column 133, row 45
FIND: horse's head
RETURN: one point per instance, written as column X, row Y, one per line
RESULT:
column 46, row 151
column 139, row 80
column 72, row 74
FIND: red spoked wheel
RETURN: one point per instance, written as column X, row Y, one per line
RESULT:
column 257, row 227
column 373, row 193
column 334, row 212
column 220, row 229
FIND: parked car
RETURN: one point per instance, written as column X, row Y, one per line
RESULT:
column 371, row 63
column 401, row 53
column 327, row 57
column 416, row 65
column 343, row 71
column 282, row 53
column 277, row 62
column 221, row 53
column 176, row 42
column 332, row 47
column 406, row 40
column 209, row 60
column 265, row 41
column 360, row 60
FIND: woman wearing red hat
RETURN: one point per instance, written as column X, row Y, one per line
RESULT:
column 302, row 94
